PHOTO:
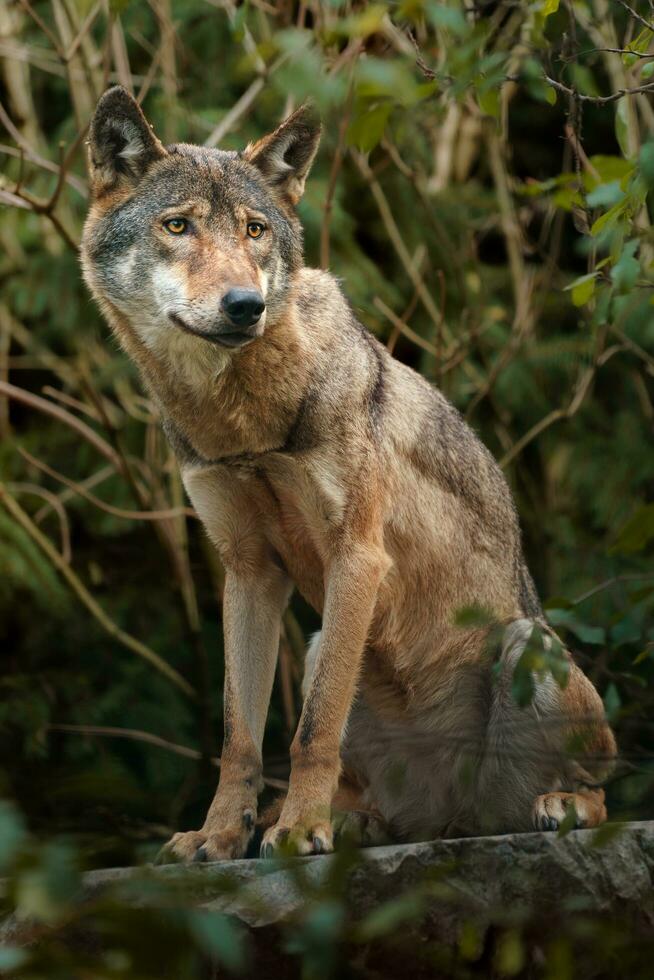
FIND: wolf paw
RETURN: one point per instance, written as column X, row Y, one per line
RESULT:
column 361, row 827
column 222, row 844
column 312, row 838
column 551, row 809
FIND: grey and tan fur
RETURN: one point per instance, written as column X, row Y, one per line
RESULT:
column 316, row 461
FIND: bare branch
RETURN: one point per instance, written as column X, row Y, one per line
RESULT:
column 43, row 405
column 615, row 580
column 58, row 508
column 598, row 99
column 635, row 15
column 130, row 515
column 137, row 735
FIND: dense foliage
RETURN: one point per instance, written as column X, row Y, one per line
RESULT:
column 484, row 190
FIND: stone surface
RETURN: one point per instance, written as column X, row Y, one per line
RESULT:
column 488, row 880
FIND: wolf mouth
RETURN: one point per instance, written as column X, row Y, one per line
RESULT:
column 228, row 338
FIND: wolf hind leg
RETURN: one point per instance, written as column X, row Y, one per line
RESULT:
column 547, row 757
column 591, row 751
column 352, row 819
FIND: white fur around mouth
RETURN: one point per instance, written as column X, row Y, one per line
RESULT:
column 231, row 339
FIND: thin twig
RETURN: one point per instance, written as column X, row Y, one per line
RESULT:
column 629, row 577
column 56, row 505
column 137, row 735
column 129, row 515
column 398, row 242
column 239, row 109
column 85, row 597
column 597, row 99
column 48, row 408
column 403, row 327
column 38, row 20
column 337, row 163
column 52, row 168
column 636, row 16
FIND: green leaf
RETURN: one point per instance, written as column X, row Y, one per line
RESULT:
column 626, row 630
column 642, row 41
column 12, row 957
column 368, row 22
column 587, row 634
column 612, row 702
column 474, row 617
column 510, row 954
column 12, row 833
column 622, row 125
column 646, row 654
column 550, row 7
column 568, row 823
column 386, row 918
column 219, row 936
column 489, row 102
column 583, row 288
column 368, row 126
column 607, row 833
column 470, row 944
column 637, row 532
column 646, row 163
column 625, row 272
column 605, row 195
column 606, row 221
column 449, row 18
column 610, row 167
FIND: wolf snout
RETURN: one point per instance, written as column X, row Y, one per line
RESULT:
column 243, row 307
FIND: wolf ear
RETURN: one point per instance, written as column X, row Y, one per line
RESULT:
column 284, row 157
column 121, row 143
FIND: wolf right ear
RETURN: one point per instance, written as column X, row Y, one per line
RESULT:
column 121, row 142
column 284, row 157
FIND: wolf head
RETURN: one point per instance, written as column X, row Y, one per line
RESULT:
column 185, row 240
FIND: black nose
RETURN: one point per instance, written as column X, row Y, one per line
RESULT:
column 243, row 306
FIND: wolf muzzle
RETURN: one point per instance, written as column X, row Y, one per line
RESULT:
column 242, row 309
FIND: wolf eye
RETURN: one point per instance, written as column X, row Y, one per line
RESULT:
column 176, row 226
column 255, row 229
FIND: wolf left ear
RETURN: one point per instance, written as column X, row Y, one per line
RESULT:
column 284, row 157
column 121, row 143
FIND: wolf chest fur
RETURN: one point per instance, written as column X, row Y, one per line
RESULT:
column 318, row 462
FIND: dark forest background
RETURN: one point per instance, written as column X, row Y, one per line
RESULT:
column 485, row 190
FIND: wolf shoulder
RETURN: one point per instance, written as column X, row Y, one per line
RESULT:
column 413, row 424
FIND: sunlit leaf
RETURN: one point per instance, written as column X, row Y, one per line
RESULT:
column 622, row 125
column 489, row 102
column 612, row 702
column 510, row 954
column 583, row 289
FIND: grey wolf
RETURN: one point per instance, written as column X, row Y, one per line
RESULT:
column 317, row 461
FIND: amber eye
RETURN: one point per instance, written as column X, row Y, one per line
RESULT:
column 255, row 229
column 176, row 226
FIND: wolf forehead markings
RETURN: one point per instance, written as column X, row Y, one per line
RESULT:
column 314, row 459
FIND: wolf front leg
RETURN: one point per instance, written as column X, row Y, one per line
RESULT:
column 253, row 603
column 353, row 580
